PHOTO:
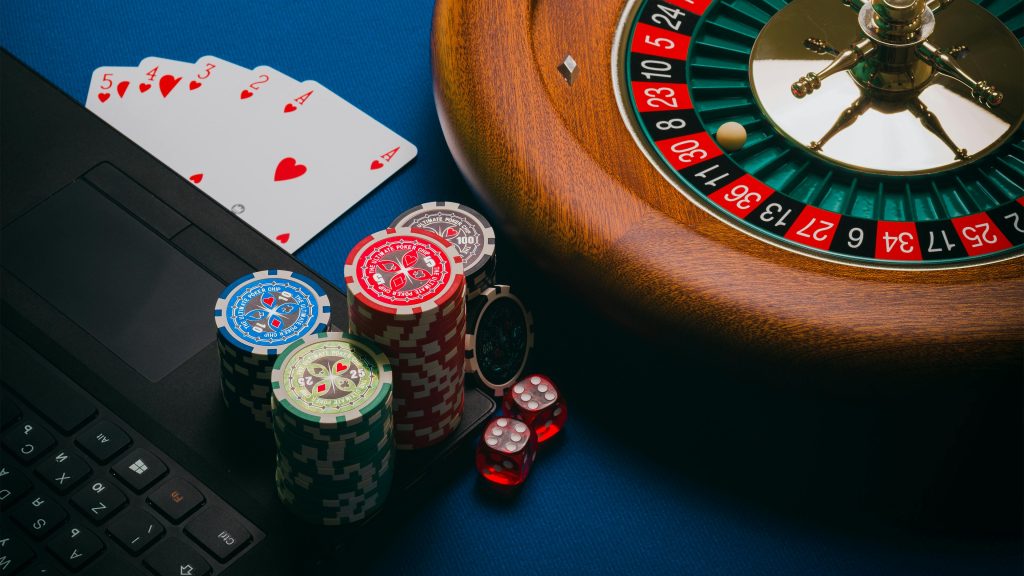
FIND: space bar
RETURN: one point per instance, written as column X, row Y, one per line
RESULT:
column 43, row 387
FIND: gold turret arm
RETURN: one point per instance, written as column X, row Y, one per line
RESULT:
column 845, row 60
column 982, row 91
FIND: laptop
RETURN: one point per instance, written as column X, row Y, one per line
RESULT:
column 118, row 457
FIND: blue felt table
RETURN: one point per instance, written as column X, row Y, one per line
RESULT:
column 594, row 505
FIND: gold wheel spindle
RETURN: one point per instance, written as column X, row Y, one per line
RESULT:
column 982, row 91
column 846, row 60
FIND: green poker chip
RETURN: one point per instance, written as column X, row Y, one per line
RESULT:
column 332, row 379
column 331, row 404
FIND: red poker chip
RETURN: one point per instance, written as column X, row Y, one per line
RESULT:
column 430, row 401
column 424, row 436
column 444, row 305
column 422, row 327
column 433, row 406
column 431, row 351
column 423, row 412
column 427, row 328
column 413, row 394
column 426, row 365
column 416, row 387
column 422, row 376
column 404, row 272
column 428, row 374
column 409, row 334
column 429, row 345
column 407, row 293
column 411, row 343
column 418, row 376
column 431, row 422
column 427, row 425
column 428, row 396
column 431, row 397
column 364, row 314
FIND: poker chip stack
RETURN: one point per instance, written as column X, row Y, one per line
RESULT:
column 406, row 292
column 499, row 337
column 257, row 316
column 467, row 229
column 333, row 427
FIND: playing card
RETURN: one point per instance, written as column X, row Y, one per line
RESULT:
column 317, row 155
column 110, row 90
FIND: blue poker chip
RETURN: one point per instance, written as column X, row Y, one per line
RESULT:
column 263, row 312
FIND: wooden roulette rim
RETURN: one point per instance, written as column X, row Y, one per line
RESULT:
column 558, row 165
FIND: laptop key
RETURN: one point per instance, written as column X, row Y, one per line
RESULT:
column 139, row 469
column 136, row 530
column 39, row 516
column 15, row 552
column 99, row 500
column 176, row 498
column 174, row 557
column 103, row 440
column 9, row 413
column 63, row 470
column 219, row 532
column 28, row 440
column 75, row 546
column 13, row 485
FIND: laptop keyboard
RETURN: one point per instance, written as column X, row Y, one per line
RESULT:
column 82, row 492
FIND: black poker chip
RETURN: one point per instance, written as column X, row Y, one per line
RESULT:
column 499, row 337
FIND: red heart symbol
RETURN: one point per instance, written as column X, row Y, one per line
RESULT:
column 283, row 238
column 287, row 169
column 376, row 165
column 340, row 367
column 122, row 88
column 268, row 300
column 245, row 94
column 167, row 83
column 194, row 84
column 289, row 107
column 144, row 87
column 197, row 178
column 103, row 96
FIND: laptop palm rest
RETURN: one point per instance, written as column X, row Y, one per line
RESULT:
column 113, row 276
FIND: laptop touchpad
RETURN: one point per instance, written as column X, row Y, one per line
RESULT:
column 115, row 278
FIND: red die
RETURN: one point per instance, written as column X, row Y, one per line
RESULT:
column 536, row 401
column 506, row 452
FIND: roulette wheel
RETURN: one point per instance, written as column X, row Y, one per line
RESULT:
column 833, row 179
